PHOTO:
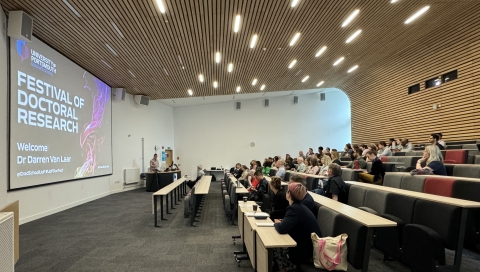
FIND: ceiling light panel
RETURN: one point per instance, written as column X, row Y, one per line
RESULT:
column 71, row 8
column 161, row 6
column 190, row 92
column 238, row 89
column 215, row 84
column 236, row 26
column 218, row 57
column 350, row 18
column 290, row 66
column 230, row 67
column 253, row 42
column 353, row 69
column 417, row 14
column 262, row 88
column 295, row 39
column 320, row 51
column 201, row 78
column 118, row 30
column 104, row 62
column 320, row 83
column 111, row 49
column 353, row 36
column 305, row 78
column 294, row 3
column 131, row 73
column 338, row 61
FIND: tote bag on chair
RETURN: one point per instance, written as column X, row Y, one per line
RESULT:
column 330, row 253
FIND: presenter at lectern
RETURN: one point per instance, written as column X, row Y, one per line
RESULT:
column 154, row 164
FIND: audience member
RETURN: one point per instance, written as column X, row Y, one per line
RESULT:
column 280, row 169
column 300, row 154
column 433, row 139
column 279, row 201
column 383, row 149
column 320, row 150
column 348, row 150
column 327, row 150
column 357, row 156
column 441, row 141
column 406, row 146
column 326, row 161
column 393, row 144
column 252, row 181
column 434, row 160
column 238, row 173
column 364, row 149
column 235, row 169
column 313, row 168
column 200, row 174
column 299, row 223
column 335, row 157
column 261, row 188
column 266, row 168
column 243, row 179
column 335, row 188
column 301, row 166
column 289, row 164
column 154, row 164
column 308, row 199
column 376, row 174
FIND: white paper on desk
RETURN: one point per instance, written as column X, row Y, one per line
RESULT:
column 251, row 214
column 247, row 205
column 270, row 224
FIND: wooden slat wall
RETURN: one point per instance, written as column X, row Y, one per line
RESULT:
column 382, row 108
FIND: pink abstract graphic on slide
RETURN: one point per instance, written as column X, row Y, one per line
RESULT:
column 90, row 140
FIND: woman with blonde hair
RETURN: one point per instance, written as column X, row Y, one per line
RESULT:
column 432, row 156
column 326, row 161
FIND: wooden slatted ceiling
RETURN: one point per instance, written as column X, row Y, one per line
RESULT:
column 193, row 31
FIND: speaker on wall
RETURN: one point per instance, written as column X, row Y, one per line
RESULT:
column 322, row 96
column 142, row 99
column 266, row 102
column 118, row 94
column 20, row 25
column 238, row 105
column 295, row 100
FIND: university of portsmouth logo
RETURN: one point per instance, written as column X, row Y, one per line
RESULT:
column 23, row 50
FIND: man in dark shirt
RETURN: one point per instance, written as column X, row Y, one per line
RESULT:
column 261, row 188
column 433, row 139
column 335, row 188
column 238, row 171
column 308, row 199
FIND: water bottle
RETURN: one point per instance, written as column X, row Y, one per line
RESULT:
column 356, row 164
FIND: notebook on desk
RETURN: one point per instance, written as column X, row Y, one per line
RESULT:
column 269, row 224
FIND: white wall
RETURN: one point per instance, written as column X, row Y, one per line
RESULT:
column 218, row 135
column 130, row 123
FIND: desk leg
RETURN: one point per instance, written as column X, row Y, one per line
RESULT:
column 461, row 236
column 194, row 210
column 171, row 200
column 270, row 260
column 155, row 210
column 166, row 204
column 161, row 208
column 366, row 254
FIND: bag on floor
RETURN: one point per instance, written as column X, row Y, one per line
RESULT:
column 330, row 253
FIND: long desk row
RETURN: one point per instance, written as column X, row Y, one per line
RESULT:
column 177, row 188
column 199, row 191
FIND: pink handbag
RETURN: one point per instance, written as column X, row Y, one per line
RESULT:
column 330, row 253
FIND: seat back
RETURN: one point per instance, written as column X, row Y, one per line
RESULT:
column 369, row 166
column 286, row 177
column 469, row 146
column 439, row 186
column 456, row 156
column 442, row 218
column 357, row 236
column 356, row 196
column 401, row 206
column 273, row 172
column 398, row 153
column 348, row 174
column 312, row 183
column 468, row 171
column 408, row 161
column 326, row 219
column 376, row 200
column 414, row 153
column 413, row 183
column 477, row 159
column 393, row 179
column 384, row 158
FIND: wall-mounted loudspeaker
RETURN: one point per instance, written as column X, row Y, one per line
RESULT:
column 142, row 99
column 238, row 105
column 295, row 100
column 322, row 96
column 266, row 102
column 20, row 25
column 118, row 94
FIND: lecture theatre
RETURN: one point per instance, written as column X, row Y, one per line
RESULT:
column 240, row 135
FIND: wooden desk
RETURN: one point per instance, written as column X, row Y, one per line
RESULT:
column 270, row 179
column 267, row 239
column 164, row 192
column 199, row 191
column 239, row 190
column 157, row 180
column 307, row 175
column 367, row 219
column 218, row 173
column 464, row 204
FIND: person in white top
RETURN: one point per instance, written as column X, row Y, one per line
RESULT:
column 441, row 141
column 383, row 150
column 154, row 164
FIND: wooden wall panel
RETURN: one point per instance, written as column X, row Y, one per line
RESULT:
column 382, row 108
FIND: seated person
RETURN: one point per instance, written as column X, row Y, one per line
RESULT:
column 200, row 174
column 238, row 171
column 433, row 139
column 348, row 150
column 308, row 199
column 406, row 146
column 357, row 155
column 299, row 223
column 335, row 188
column 261, row 188
column 279, row 201
column 326, row 161
column 301, row 165
column 383, row 149
column 252, row 181
column 313, row 169
column 154, row 164
column 281, row 169
column 266, row 168
column 441, row 141
column 335, row 156
column 434, row 160
column 289, row 164
column 243, row 179
column 377, row 173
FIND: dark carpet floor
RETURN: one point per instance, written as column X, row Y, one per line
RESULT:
column 116, row 233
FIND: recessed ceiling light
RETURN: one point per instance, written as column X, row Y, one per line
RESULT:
column 294, row 3
column 238, row 89
column 353, row 69
column 104, row 62
column 417, row 14
column 215, row 84
column 338, row 61
column 200, row 77
column 305, row 78
column 320, row 51
column 292, row 64
column 295, row 39
column 254, row 82
column 350, row 18
column 217, row 57
column 236, row 27
column 190, row 92
column 253, row 42
column 133, row 75
column 71, row 8
column 118, row 30
column 230, row 67
column 262, row 88
column 165, row 70
column 393, row 1
column 353, row 36
column 111, row 49
column 320, row 83
column 160, row 5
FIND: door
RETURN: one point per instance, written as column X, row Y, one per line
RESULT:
column 169, row 155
